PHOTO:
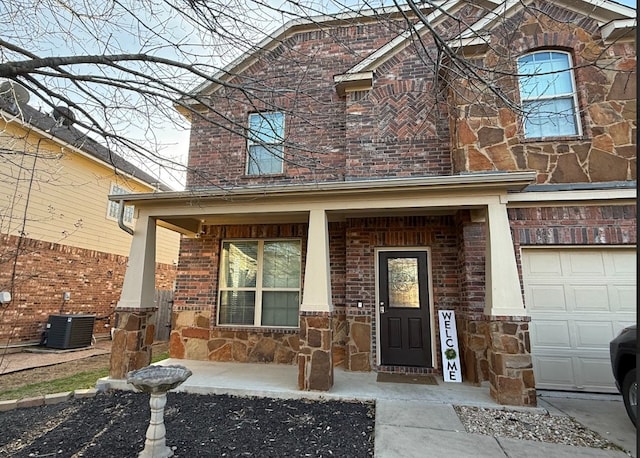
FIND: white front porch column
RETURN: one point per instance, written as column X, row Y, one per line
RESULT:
column 138, row 289
column 135, row 312
column 511, row 379
column 316, row 296
column 503, row 293
column 315, row 360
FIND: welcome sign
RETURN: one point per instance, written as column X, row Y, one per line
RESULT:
column 449, row 346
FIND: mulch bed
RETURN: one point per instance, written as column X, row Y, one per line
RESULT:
column 114, row 424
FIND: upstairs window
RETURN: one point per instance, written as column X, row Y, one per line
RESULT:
column 266, row 137
column 114, row 207
column 548, row 95
column 260, row 283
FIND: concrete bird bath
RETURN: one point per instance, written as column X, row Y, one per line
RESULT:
column 157, row 380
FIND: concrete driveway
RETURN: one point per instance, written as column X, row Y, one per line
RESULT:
column 602, row 413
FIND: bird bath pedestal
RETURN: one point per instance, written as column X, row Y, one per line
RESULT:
column 157, row 380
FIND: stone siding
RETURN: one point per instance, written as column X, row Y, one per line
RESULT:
column 488, row 135
column 132, row 342
column 315, row 365
column 511, row 377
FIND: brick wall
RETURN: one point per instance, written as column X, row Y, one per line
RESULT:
column 364, row 235
column 297, row 78
column 45, row 270
column 574, row 225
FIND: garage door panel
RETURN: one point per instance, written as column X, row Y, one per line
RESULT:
column 591, row 335
column 595, row 374
column 553, row 370
column 622, row 263
column 576, row 312
column 620, row 325
column 544, row 264
column 548, row 297
column 550, row 334
column 581, row 264
column 623, row 297
column 590, row 298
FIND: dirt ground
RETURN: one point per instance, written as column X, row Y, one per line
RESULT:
column 64, row 369
column 46, row 373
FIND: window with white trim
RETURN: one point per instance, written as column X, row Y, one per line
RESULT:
column 548, row 95
column 265, row 143
column 114, row 207
column 260, row 283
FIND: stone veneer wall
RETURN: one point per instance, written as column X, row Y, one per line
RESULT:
column 193, row 339
column 360, row 334
column 46, row 270
column 511, row 377
column 132, row 341
column 488, row 136
column 340, row 338
column 315, row 365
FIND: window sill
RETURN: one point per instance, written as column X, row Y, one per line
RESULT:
column 275, row 330
column 567, row 138
column 264, row 175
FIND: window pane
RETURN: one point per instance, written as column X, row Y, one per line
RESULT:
column 281, row 264
column 280, row 308
column 113, row 209
column 240, row 264
column 544, row 74
column 550, row 118
column 265, row 160
column 402, row 277
column 237, row 307
column 266, row 127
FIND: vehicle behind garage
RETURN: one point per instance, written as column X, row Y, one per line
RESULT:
column 623, row 363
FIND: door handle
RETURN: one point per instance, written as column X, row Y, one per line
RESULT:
column 381, row 307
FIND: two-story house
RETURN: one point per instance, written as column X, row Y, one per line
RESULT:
column 356, row 174
column 61, row 250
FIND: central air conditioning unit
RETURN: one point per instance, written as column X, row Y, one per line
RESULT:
column 69, row 331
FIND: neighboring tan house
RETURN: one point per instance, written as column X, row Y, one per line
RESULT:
column 58, row 230
column 369, row 193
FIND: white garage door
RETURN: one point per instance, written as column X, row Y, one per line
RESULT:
column 578, row 300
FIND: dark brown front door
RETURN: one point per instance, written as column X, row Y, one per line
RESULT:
column 405, row 330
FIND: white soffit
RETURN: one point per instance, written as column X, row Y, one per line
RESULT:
column 620, row 29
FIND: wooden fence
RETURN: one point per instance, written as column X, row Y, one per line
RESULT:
column 164, row 302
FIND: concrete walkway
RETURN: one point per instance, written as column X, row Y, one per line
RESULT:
column 417, row 420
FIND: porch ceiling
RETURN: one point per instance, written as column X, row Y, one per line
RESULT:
column 192, row 225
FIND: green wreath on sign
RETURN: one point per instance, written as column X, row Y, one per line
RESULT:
column 450, row 353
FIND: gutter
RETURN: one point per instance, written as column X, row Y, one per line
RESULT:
column 121, row 219
column 513, row 181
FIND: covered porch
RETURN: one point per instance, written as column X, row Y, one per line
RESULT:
column 317, row 206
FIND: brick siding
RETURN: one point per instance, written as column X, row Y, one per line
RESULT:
column 45, row 270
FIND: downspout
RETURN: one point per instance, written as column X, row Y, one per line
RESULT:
column 121, row 219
